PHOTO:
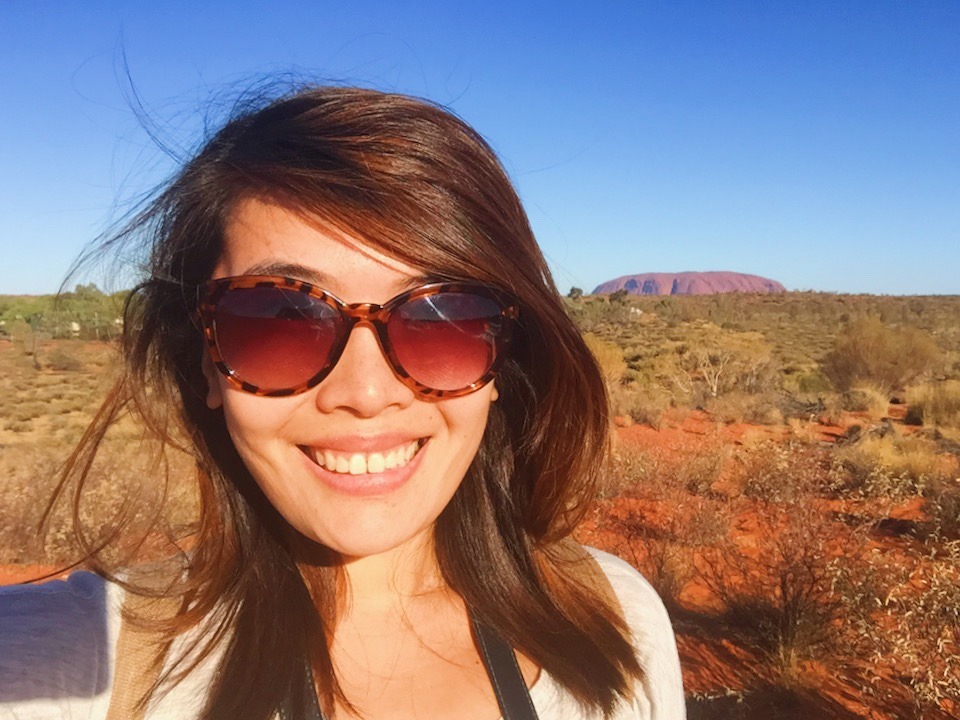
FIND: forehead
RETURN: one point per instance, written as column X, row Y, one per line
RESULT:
column 261, row 238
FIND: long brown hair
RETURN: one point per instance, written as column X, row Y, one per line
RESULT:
column 415, row 182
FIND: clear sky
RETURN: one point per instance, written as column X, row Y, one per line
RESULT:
column 816, row 143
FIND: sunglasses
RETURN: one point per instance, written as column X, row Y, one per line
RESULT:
column 278, row 336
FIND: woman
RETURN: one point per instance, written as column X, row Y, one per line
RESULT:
column 349, row 324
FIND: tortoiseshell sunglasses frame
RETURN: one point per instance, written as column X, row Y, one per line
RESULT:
column 371, row 314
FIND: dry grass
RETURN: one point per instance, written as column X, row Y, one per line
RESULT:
column 894, row 465
column 935, row 404
column 45, row 411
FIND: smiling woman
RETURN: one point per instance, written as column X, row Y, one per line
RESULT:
column 396, row 428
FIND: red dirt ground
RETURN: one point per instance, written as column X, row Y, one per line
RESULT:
column 722, row 678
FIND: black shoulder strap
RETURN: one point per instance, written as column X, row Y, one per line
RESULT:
column 501, row 663
column 499, row 660
column 306, row 697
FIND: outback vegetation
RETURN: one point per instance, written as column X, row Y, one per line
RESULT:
column 785, row 473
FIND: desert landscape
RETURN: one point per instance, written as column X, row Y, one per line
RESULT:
column 785, row 472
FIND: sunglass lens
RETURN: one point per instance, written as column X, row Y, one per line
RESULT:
column 274, row 338
column 446, row 341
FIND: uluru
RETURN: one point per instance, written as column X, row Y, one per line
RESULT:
column 690, row 283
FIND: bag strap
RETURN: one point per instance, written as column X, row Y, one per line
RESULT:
column 513, row 697
column 139, row 656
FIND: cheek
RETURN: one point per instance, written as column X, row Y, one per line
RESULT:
column 466, row 418
column 254, row 423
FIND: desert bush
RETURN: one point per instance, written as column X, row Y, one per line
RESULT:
column 832, row 410
column 868, row 399
column 17, row 426
column 664, row 558
column 124, row 471
column 936, row 404
column 29, row 410
column 626, row 468
column 773, row 573
column 907, row 624
column 594, row 314
column 813, row 382
column 609, row 357
column 869, row 352
column 653, row 477
column 893, row 466
column 645, row 402
column 660, row 538
column 699, row 472
column 62, row 361
column 736, row 407
column 943, row 505
column 778, row 592
column 22, row 335
column 709, row 362
column 789, row 472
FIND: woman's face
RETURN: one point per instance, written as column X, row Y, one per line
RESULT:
column 357, row 417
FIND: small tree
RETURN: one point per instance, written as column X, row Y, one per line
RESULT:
column 618, row 296
column 575, row 293
column 712, row 362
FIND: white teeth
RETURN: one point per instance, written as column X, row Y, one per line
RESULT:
column 375, row 463
column 363, row 463
column 358, row 464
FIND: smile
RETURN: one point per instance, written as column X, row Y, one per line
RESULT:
column 359, row 463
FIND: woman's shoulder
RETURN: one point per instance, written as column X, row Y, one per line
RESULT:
column 627, row 582
column 60, row 653
column 56, row 647
column 653, row 636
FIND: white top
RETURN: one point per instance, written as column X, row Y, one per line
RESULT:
column 68, row 629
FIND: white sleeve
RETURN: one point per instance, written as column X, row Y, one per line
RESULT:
column 57, row 643
column 660, row 696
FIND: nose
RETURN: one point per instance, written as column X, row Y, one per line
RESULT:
column 362, row 382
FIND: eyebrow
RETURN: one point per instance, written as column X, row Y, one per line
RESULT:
column 319, row 278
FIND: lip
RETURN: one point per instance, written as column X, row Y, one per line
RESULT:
column 364, row 443
column 366, row 484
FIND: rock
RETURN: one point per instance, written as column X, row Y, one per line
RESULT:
column 690, row 283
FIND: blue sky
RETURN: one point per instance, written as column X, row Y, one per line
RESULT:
column 816, row 143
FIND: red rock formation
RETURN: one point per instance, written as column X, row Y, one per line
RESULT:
column 690, row 283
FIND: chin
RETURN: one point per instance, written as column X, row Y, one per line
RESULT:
column 351, row 544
